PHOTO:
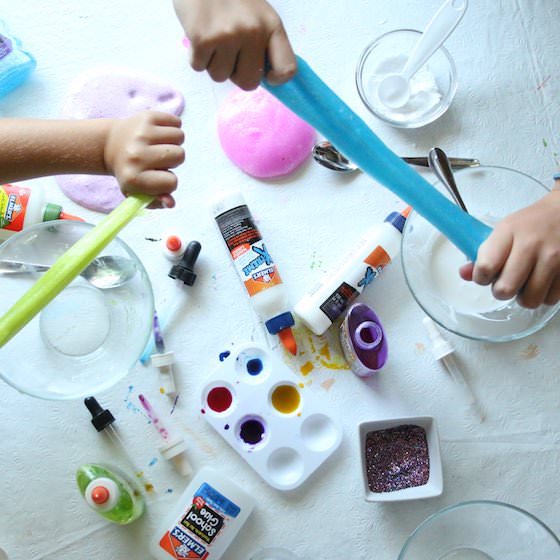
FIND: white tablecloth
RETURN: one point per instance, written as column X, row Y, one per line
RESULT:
column 506, row 112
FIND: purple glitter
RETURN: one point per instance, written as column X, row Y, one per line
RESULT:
column 397, row 458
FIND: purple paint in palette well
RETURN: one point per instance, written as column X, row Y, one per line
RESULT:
column 397, row 458
column 252, row 430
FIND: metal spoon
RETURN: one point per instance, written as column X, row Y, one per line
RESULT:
column 439, row 164
column 328, row 156
column 103, row 272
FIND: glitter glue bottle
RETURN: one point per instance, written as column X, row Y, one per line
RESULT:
column 205, row 520
column 16, row 64
column 255, row 266
column 321, row 307
column 21, row 207
column 107, row 491
column 363, row 340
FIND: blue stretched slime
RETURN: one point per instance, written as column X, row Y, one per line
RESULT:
column 312, row 100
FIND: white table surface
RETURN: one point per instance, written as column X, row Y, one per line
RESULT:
column 506, row 112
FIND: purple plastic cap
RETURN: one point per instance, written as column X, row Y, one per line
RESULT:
column 363, row 340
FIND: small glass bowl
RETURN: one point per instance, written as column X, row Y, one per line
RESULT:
column 86, row 339
column 431, row 264
column 481, row 530
column 387, row 55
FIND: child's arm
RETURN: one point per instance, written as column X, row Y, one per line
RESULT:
column 522, row 255
column 236, row 39
column 138, row 151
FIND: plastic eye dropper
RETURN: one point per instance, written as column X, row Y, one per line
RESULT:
column 164, row 362
column 443, row 351
column 102, row 420
column 173, row 447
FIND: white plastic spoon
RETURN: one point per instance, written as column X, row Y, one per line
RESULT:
column 394, row 89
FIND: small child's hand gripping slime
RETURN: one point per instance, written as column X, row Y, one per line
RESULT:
column 311, row 99
column 68, row 266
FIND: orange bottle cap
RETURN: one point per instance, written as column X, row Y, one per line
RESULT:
column 173, row 243
column 100, row 495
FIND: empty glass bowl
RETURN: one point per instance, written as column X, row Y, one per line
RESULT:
column 432, row 88
column 87, row 338
column 431, row 263
column 481, row 530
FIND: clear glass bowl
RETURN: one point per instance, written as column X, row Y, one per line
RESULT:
column 481, row 530
column 87, row 338
column 387, row 55
column 431, row 264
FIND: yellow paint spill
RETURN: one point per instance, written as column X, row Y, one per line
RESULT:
column 301, row 385
column 532, row 351
column 306, row 368
column 162, row 390
column 325, row 351
column 149, row 487
column 328, row 383
column 334, row 365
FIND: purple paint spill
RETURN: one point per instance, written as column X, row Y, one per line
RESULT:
column 252, row 431
column 397, row 458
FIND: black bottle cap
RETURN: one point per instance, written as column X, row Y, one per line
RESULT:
column 183, row 270
column 100, row 417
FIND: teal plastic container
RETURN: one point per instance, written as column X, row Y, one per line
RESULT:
column 109, row 492
column 16, row 64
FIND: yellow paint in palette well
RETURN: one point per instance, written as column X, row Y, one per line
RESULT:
column 286, row 399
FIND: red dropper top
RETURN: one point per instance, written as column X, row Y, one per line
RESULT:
column 99, row 495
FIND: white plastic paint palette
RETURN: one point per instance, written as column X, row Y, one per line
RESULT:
column 255, row 402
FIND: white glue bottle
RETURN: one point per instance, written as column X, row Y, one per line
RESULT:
column 21, row 207
column 255, row 267
column 207, row 518
column 336, row 291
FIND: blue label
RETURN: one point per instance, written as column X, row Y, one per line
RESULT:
column 218, row 501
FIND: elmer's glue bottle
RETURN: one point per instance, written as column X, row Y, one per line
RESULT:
column 334, row 294
column 108, row 492
column 21, row 207
column 207, row 518
column 255, row 266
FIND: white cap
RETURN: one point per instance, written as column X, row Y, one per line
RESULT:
column 225, row 201
column 174, row 450
column 440, row 346
column 164, row 362
column 108, row 491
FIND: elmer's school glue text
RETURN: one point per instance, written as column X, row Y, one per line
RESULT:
column 255, row 266
column 207, row 518
column 337, row 290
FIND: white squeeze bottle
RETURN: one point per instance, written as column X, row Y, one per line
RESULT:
column 255, row 266
column 336, row 291
column 21, row 207
column 207, row 518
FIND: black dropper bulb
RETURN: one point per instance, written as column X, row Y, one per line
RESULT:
column 100, row 417
column 183, row 270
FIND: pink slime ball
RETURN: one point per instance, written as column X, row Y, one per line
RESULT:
column 262, row 136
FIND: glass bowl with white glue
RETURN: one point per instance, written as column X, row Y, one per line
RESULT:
column 431, row 262
column 92, row 333
column 481, row 530
column 432, row 88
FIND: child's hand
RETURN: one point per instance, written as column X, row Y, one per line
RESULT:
column 235, row 39
column 522, row 255
column 140, row 151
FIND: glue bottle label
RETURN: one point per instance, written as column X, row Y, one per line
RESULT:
column 337, row 303
column 193, row 533
column 249, row 253
column 13, row 205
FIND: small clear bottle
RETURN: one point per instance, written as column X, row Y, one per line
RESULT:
column 110, row 493
column 16, row 64
column 336, row 291
column 21, row 207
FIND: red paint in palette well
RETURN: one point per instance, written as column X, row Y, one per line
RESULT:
column 219, row 399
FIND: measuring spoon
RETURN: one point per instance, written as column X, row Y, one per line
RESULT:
column 394, row 89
